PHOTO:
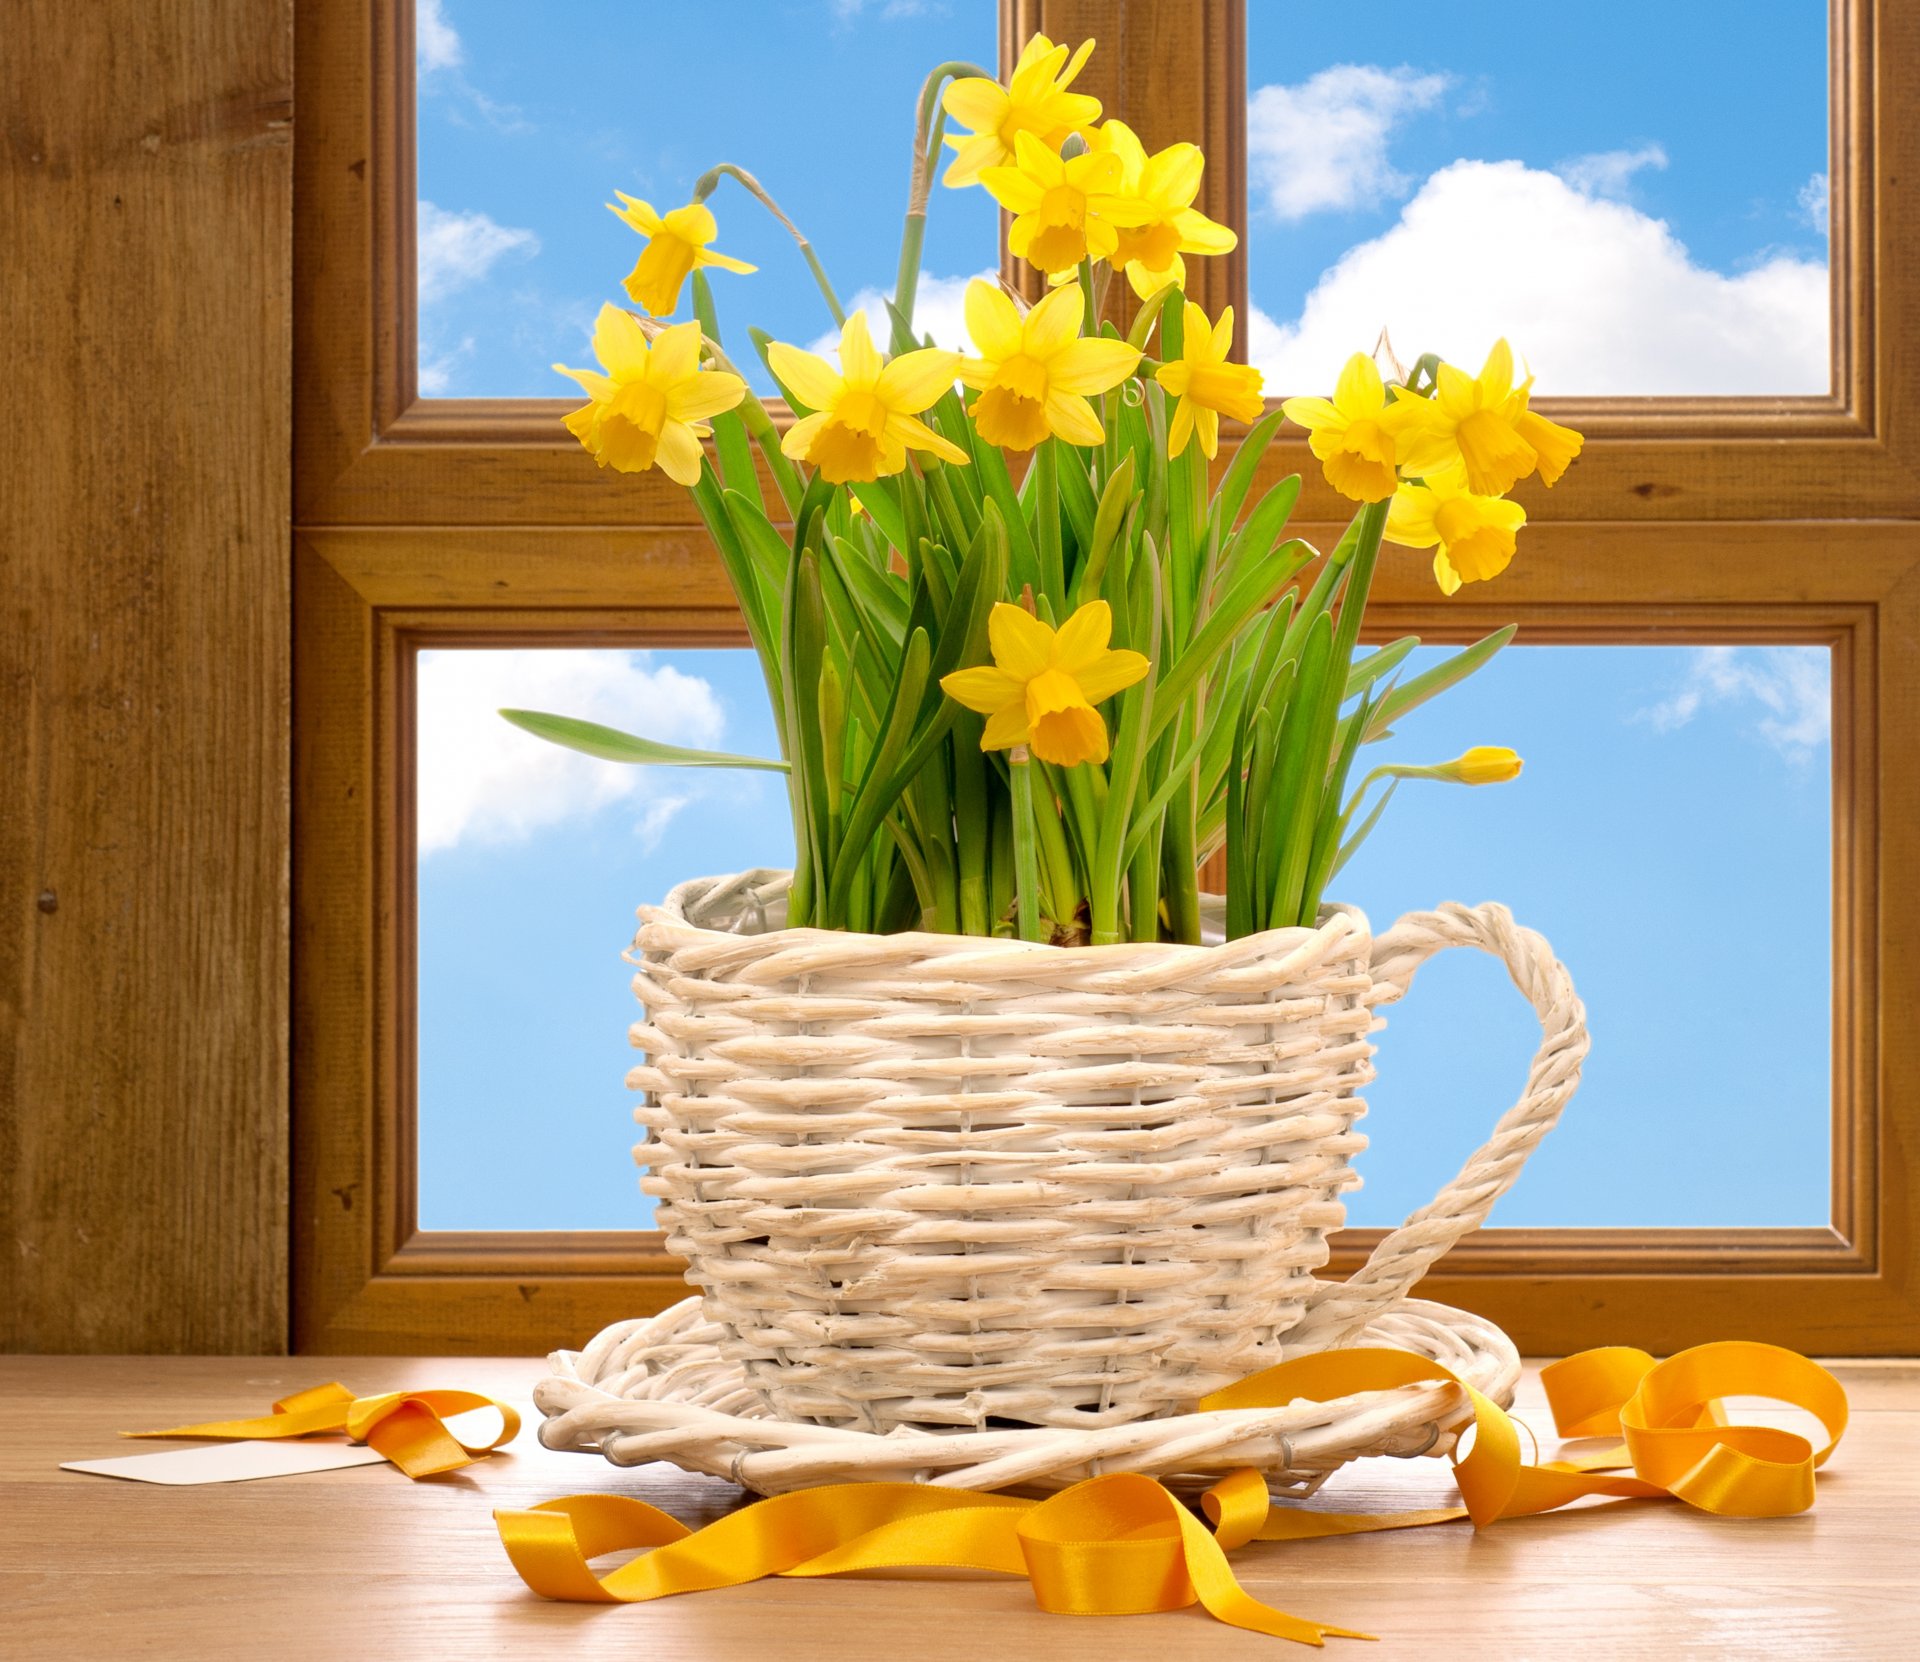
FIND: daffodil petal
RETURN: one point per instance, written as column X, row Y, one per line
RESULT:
column 1022, row 644
column 985, row 688
column 726, row 262
column 1410, row 519
column 619, row 343
column 1312, row 413
column 810, row 379
column 1007, row 726
column 1444, row 574
column 993, row 320
column 794, row 444
column 915, row 380
column 675, row 356
column 1496, row 375
column 592, row 384
column 915, row 434
column 975, row 102
column 972, row 157
column 1083, row 638
column 1359, row 391
column 1090, row 366
column 1180, row 429
column 636, row 213
column 1173, row 175
column 1055, row 321
column 1201, row 235
column 705, row 394
column 694, row 223
column 1111, row 672
column 679, row 454
column 860, row 363
column 1071, row 417
column 1014, row 190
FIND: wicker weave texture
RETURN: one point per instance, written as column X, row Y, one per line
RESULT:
column 661, row 1388
column 931, row 1181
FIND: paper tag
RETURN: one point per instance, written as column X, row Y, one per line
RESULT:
column 230, row 1462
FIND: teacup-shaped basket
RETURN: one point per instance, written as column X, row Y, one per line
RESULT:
column 938, row 1183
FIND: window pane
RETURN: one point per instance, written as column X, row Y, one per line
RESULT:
column 1671, row 836
column 530, row 117
column 531, row 861
column 1635, row 193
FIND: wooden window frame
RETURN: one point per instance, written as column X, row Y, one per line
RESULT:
column 464, row 522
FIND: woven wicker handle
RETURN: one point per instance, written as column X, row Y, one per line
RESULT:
column 1340, row 1309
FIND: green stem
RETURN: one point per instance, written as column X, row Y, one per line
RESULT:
column 929, row 122
column 1026, row 853
column 705, row 186
column 1046, row 514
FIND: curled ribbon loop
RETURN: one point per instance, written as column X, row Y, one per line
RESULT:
column 1125, row 1545
column 407, row 1427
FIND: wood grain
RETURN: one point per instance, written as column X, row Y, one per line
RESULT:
column 145, row 179
column 364, row 1563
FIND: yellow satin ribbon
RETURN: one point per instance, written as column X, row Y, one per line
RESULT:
column 1124, row 1545
column 406, row 1426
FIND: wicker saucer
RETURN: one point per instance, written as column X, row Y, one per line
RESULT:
column 659, row 1389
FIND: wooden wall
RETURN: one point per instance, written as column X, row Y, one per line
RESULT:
column 145, row 267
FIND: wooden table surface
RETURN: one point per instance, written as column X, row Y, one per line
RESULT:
column 361, row 1563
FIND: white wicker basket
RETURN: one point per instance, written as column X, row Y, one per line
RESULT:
column 930, row 1182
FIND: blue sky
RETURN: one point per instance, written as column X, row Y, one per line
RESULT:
column 1637, row 221
column 1673, row 818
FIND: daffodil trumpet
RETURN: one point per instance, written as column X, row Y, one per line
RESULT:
column 1035, row 635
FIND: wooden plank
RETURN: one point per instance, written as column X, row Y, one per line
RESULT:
column 145, row 185
column 363, row 1563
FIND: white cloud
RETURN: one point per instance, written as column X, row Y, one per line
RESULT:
column 1789, row 686
column 1610, row 172
column 1595, row 296
column 482, row 780
column 436, row 43
column 435, row 374
column 1323, row 144
column 1816, row 203
column 456, row 249
column 938, row 310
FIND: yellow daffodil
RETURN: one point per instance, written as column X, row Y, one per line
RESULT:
column 1163, row 186
column 676, row 246
column 1483, row 764
column 1355, row 449
column 1554, row 446
column 1064, row 211
column 1035, row 100
column 649, row 408
column 1034, row 373
column 1206, row 385
column 1474, row 533
column 1041, row 688
column 865, row 415
column 1466, row 424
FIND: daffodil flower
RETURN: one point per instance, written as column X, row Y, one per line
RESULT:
column 649, row 408
column 1041, row 688
column 1355, row 449
column 1035, row 100
column 1034, row 373
column 865, row 415
column 676, row 246
column 1466, row 424
column 1474, row 533
column 1065, row 211
column 1164, row 186
column 1483, row 764
column 1554, row 446
column 1206, row 385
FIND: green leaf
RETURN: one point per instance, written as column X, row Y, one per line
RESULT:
column 1232, row 494
column 1369, row 669
column 611, row 745
column 1430, row 683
